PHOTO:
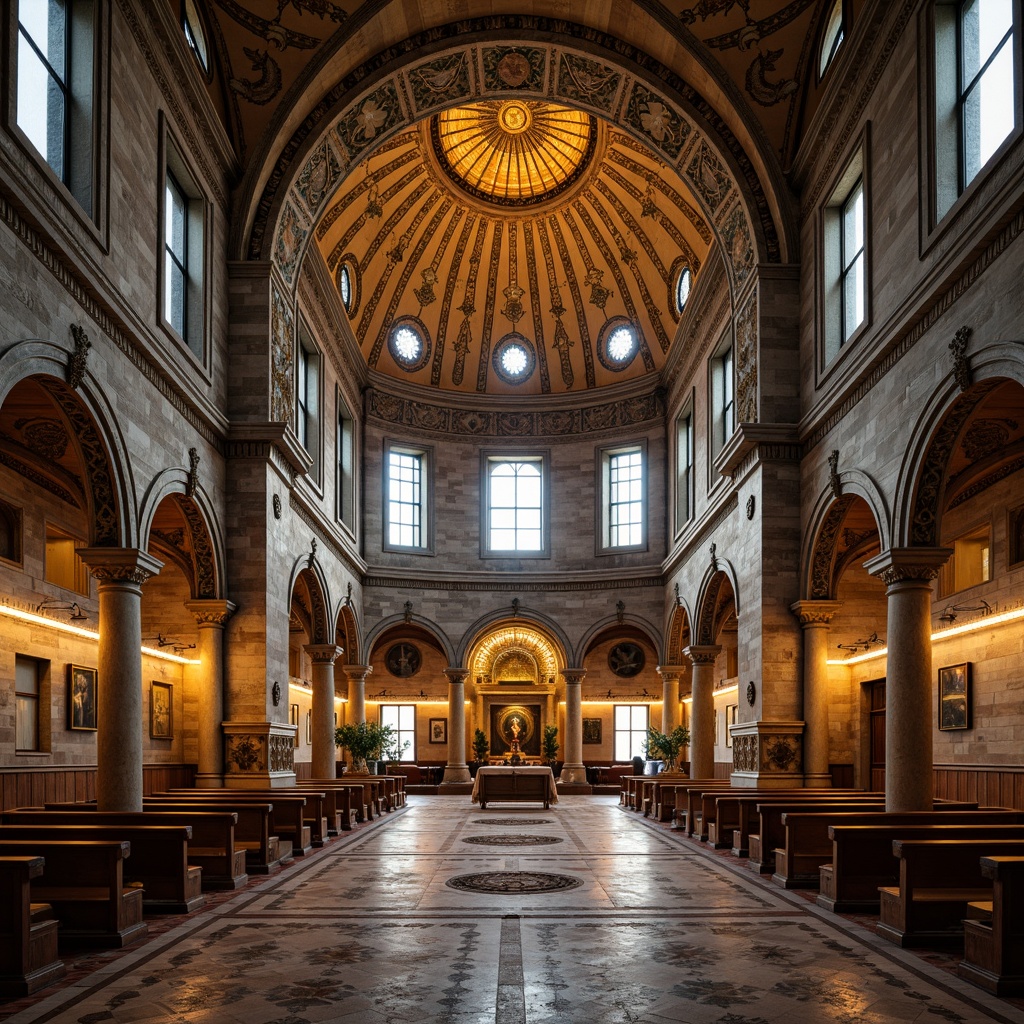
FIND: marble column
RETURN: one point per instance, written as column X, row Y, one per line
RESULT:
column 908, row 574
column 324, row 754
column 702, row 711
column 211, row 617
column 355, row 711
column 120, row 573
column 573, row 772
column 671, row 715
column 456, row 772
column 814, row 618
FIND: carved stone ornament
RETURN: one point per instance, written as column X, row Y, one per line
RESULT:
column 193, row 478
column 833, row 474
column 311, row 560
column 903, row 573
column 277, row 506
column 958, row 348
column 751, row 693
column 714, row 557
column 282, row 754
column 780, row 753
column 620, row 611
column 751, row 506
column 744, row 753
column 626, row 660
column 275, row 693
column 246, row 754
column 77, row 360
column 403, row 660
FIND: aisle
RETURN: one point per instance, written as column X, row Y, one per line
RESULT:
column 635, row 926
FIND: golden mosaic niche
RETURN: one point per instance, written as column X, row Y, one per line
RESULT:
column 520, row 647
column 513, row 152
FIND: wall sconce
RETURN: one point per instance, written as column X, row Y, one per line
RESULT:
column 174, row 642
column 948, row 615
column 54, row 605
column 863, row 645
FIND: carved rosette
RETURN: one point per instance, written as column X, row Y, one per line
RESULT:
column 771, row 750
column 779, row 753
column 245, row 754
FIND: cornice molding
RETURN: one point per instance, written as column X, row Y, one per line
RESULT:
column 521, row 583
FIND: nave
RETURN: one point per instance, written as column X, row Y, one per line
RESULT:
column 655, row 929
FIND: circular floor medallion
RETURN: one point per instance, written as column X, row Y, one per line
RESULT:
column 513, row 883
column 516, row 839
column 514, row 821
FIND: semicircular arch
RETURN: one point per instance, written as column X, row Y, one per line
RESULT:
column 612, row 626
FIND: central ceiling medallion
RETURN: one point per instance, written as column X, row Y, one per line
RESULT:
column 513, row 152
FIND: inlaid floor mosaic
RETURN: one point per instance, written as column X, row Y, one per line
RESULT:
column 656, row 930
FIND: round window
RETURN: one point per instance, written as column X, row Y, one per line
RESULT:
column 683, row 283
column 514, row 359
column 618, row 344
column 409, row 343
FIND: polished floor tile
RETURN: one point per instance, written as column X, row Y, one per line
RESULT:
column 655, row 929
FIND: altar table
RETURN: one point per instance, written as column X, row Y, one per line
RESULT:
column 522, row 783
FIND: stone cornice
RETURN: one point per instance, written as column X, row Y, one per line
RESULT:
column 751, row 442
column 713, row 518
column 908, row 565
column 518, row 583
column 311, row 515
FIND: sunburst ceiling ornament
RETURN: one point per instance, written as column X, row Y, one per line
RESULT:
column 514, row 152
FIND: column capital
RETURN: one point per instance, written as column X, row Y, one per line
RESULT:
column 702, row 655
column 671, row 673
column 211, row 612
column 357, row 673
column 815, row 613
column 908, row 565
column 323, row 654
column 456, row 676
column 573, row 675
column 120, row 565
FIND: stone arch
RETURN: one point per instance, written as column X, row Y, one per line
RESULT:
column 346, row 633
column 650, row 102
column 529, row 618
column 202, row 560
column 708, row 604
column 431, row 628
column 307, row 573
column 920, row 491
column 92, row 428
column 627, row 625
column 678, row 632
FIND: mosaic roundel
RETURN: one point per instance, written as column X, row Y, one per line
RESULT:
column 515, row 839
column 514, row 821
column 513, row 883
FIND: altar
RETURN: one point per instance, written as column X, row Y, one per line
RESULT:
column 520, row 783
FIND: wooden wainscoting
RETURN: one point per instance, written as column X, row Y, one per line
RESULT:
column 32, row 787
column 1000, row 786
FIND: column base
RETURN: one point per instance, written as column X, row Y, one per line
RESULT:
column 209, row 780
column 456, row 775
column 575, row 776
column 817, row 780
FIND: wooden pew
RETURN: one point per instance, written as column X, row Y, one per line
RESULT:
column 341, row 804
column 211, row 848
column 861, row 857
column 159, row 863
column 670, row 802
column 28, row 931
column 994, row 948
column 938, row 878
column 84, row 883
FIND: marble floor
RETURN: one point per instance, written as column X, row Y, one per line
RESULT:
column 653, row 929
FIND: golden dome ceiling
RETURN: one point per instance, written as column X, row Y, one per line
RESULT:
column 513, row 152
column 452, row 286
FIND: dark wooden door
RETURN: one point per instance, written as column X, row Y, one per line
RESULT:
column 876, row 690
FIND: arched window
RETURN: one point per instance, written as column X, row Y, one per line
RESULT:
column 835, row 30
column 192, row 26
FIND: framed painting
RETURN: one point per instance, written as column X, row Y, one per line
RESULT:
column 161, row 711
column 81, row 698
column 293, row 719
column 955, row 696
column 438, row 730
column 591, row 730
column 730, row 720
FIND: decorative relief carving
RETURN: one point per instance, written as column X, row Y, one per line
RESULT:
column 744, row 753
column 282, row 340
column 291, row 237
column 514, row 67
column 746, row 361
column 193, row 475
column 651, row 115
column 833, row 474
column 779, row 753
column 373, row 116
column 587, row 81
column 958, row 348
column 751, row 506
column 985, row 437
column 78, row 359
column 738, row 244
column 120, row 573
column 439, row 81
column 904, row 573
column 203, row 559
column 246, row 754
column 277, row 506
column 708, row 176
column 825, row 548
column 319, row 176
column 282, row 754
column 45, row 437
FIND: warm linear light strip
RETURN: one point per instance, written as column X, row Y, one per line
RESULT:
column 942, row 634
column 87, row 634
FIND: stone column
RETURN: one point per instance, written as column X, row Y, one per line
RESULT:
column 573, row 771
column 325, row 756
column 815, row 617
column 210, row 616
column 702, row 711
column 671, row 715
column 456, row 772
column 355, row 712
column 120, row 573
column 908, row 574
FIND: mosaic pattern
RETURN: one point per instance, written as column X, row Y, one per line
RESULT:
column 512, row 840
column 505, row 822
column 513, row 882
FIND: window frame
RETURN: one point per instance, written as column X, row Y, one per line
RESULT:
column 722, row 394
column 408, row 756
column 685, row 509
column 633, row 744
column 425, row 455
column 493, row 457
column 346, row 497
column 309, row 401
column 82, row 579
column 195, row 341
column 606, row 456
column 40, row 700
column 949, row 583
column 840, row 37
column 12, row 518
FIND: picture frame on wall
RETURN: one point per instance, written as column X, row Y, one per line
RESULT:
column 82, row 684
column 161, row 711
column 730, row 720
column 955, row 697
column 309, row 728
column 293, row 719
column 438, row 730
column 591, row 730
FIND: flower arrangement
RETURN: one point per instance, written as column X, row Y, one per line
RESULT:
column 667, row 747
column 363, row 740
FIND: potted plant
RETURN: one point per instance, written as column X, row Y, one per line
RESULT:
column 480, row 749
column 549, row 744
column 668, row 747
column 364, row 741
column 392, row 751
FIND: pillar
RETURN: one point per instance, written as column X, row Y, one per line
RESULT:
column 456, row 772
column 815, row 618
column 670, row 707
column 210, row 616
column 908, row 574
column 702, row 711
column 573, row 773
column 120, row 573
column 325, row 758
column 355, row 712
